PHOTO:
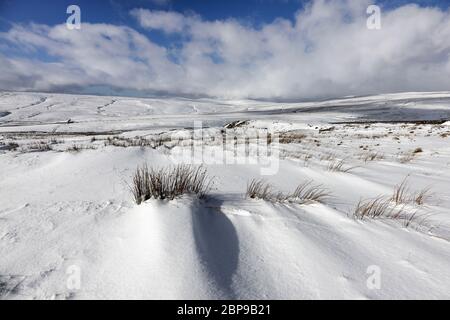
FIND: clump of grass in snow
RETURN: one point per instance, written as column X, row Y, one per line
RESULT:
column 375, row 208
column 40, row 146
column 124, row 142
column 74, row 148
column 328, row 157
column 422, row 196
column 339, row 166
column 371, row 156
column 402, row 194
column 409, row 219
column 259, row 189
column 409, row 156
column 168, row 183
column 398, row 206
column 305, row 192
column 308, row 192
column 12, row 146
column 382, row 207
column 56, row 141
column 292, row 137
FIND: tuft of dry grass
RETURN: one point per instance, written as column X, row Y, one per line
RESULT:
column 409, row 156
column 373, row 208
column 294, row 136
column 406, row 157
column 409, row 219
column 372, row 156
column 170, row 182
column 401, row 192
column 39, row 146
column 259, row 189
column 339, row 166
column 56, row 141
column 141, row 184
column 402, row 205
column 236, row 124
column 124, row 142
column 304, row 193
column 12, row 146
column 382, row 208
column 327, row 157
column 74, row 148
column 403, row 195
column 422, row 196
column 307, row 192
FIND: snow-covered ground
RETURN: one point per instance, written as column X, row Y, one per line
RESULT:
column 69, row 228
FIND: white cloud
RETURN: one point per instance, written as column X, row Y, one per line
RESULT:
column 169, row 22
column 326, row 50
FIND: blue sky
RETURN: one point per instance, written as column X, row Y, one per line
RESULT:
column 116, row 12
column 203, row 52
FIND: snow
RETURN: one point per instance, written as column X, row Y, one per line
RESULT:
column 64, row 212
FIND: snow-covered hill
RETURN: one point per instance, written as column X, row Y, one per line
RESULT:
column 69, row 228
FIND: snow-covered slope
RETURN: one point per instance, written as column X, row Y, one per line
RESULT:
column 51, row 112
column 69, row 228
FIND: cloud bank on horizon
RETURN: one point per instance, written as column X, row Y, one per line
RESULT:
column 326, row 50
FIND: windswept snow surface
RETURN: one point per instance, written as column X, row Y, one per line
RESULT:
column 69, row 228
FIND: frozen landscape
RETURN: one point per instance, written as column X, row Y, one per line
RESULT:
column 71, row 229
